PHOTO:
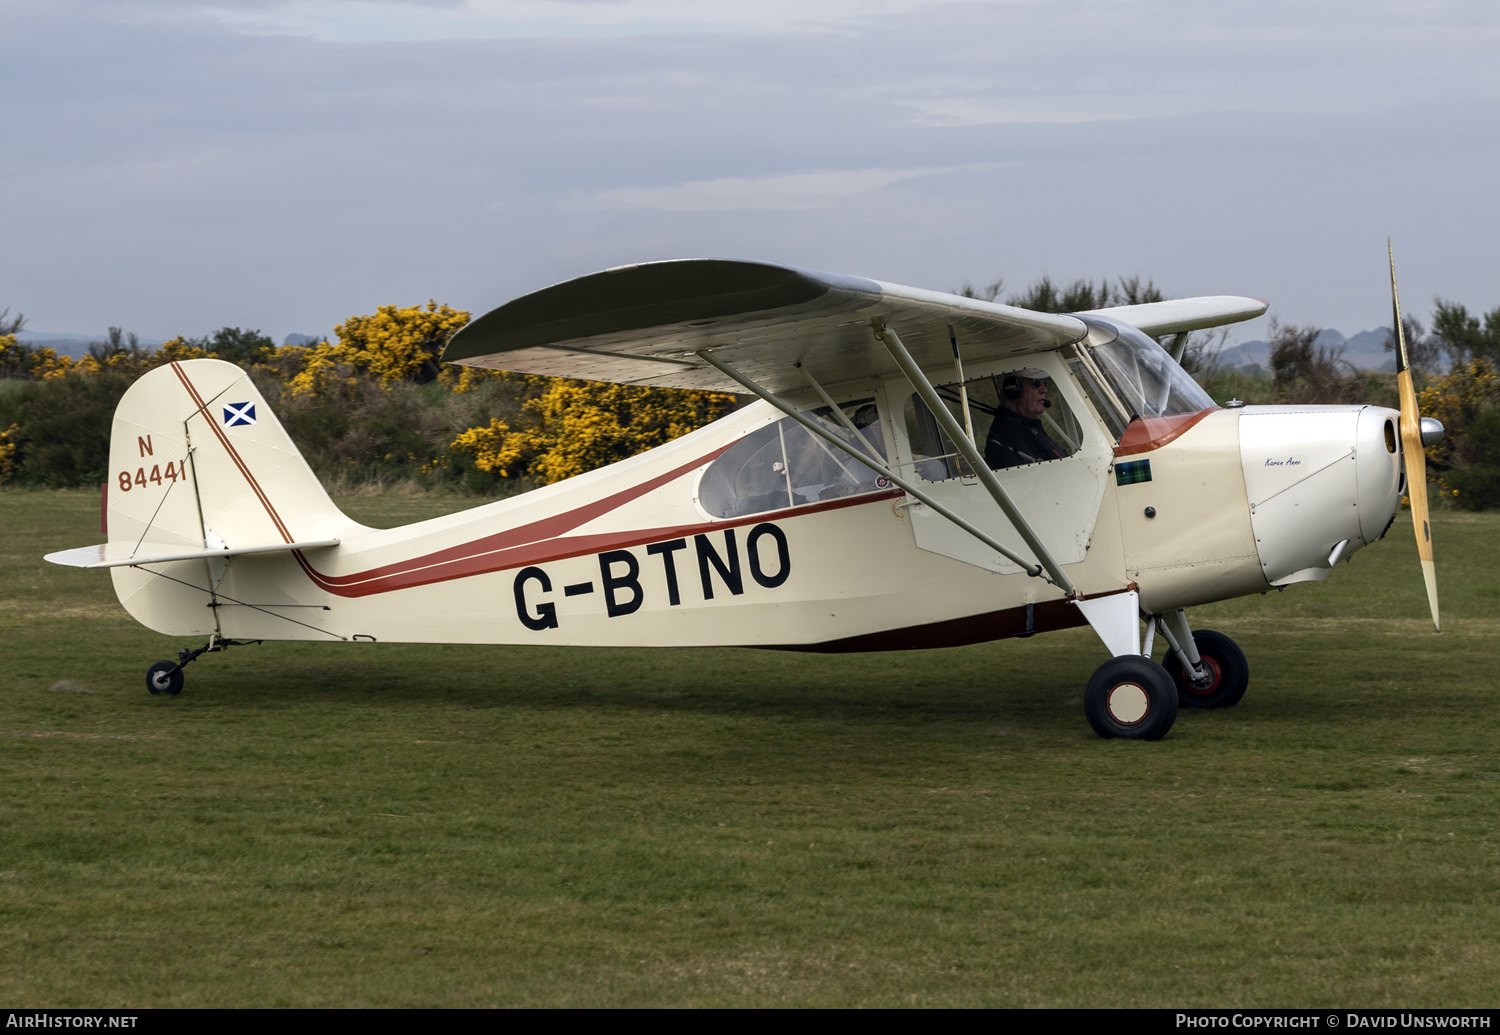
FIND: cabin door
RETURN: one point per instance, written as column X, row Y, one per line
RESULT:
column 1056, row 464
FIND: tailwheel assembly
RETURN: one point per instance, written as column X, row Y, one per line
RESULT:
column 165, row 677
column 1131, row 698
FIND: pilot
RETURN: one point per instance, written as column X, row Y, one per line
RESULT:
column 1016, row 436
column 867, row 420
column 853, row 476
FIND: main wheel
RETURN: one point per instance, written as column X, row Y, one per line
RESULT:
column 1228, row 670
column 164, row 677
column 1131, row 697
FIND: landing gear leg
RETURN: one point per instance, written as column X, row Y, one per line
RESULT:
column 165, row 677
column 1209, row 668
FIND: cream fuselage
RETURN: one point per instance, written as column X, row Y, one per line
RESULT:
column 1243, row 499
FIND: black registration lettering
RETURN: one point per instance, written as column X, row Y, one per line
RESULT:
column 729, row 572
column 613, row 583
column 783, row 555
column 546, row 613
column 669, row 563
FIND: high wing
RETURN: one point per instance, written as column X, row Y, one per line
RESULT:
column 1185, row 314
column 643, row 325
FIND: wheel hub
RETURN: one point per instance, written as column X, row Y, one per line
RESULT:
column 1209, row 681
column 1128, row 703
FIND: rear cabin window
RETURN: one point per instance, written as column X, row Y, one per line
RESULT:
column 785, row 465
column 1006, row 436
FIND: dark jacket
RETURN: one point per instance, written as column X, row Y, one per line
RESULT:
column 1014, row 440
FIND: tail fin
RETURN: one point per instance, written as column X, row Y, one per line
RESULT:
column 198, row 461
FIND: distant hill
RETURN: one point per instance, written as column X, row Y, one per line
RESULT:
column 1364, row 351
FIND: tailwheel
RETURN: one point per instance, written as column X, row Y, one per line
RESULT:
column 1226, row 676
column 164, row 677
column 1131, row 697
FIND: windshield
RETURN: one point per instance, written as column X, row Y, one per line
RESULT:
column 1146, row 380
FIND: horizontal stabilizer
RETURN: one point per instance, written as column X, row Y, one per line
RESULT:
column 116, row 555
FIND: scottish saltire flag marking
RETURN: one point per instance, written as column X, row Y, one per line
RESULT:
column 236, row 414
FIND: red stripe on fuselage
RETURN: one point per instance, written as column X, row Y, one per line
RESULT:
column 455, row 561
column 535, row 543
column 413, row 573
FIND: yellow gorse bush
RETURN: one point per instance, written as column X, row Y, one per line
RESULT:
column 47, row 365
column 396, row 344
column 176, row 350
column 1456, row 400
column 8, row 447
column 400, row 343
column 576, row 426
column 321, row 369
column 495, row 448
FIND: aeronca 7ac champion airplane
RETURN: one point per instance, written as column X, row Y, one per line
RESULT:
column 923, row 470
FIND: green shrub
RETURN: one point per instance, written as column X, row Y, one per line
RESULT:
column 1475, row 488
column 62, row 428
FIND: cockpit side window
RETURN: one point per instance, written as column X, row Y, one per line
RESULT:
column 1017, row 417
column 784, row 465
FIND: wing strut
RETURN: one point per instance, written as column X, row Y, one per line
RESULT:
column 873, row 462
column 963, row 387
column 969, row 451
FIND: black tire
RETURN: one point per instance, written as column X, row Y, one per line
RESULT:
column 164, row 677
column 1132, row 698
column 1225, row 661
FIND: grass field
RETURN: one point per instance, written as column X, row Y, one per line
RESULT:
column 386, row 825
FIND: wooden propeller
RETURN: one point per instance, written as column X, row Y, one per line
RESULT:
column 1412, row 451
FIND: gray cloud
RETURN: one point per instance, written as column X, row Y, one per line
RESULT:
column 174, row 171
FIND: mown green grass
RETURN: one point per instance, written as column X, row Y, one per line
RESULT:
column 386, row 825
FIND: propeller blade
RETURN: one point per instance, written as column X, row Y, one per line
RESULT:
column 1412, row 451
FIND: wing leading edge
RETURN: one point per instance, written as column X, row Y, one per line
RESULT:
column 642, row 325
column 1185, row 314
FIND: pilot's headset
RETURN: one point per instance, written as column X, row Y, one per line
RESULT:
column 1010, row 387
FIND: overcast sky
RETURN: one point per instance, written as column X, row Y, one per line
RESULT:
column 174, row 166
